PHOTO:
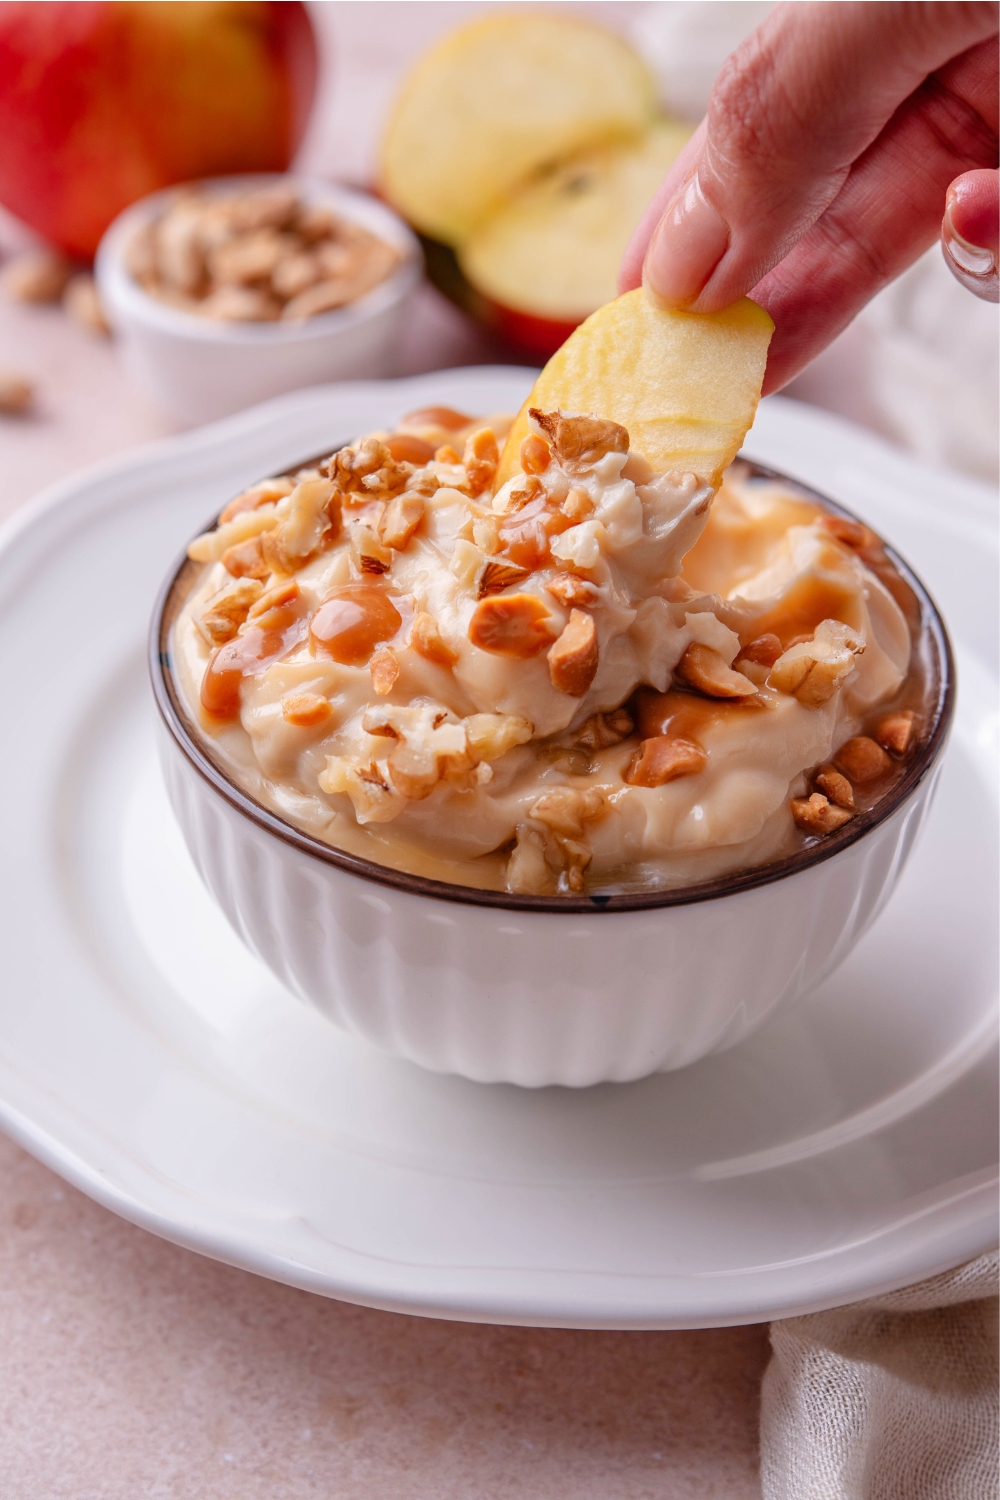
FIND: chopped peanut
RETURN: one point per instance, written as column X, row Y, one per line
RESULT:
column 426, row 640
column 574, row 658
column 523, row 490
column 764, row 651
column 570, row 591
column 384, row 667
column 400, row 519
column 267, row 493
column 277, row 608
column 535, row 454
column 895, row 731
column 703, row 668
column 246, row 560
column 577, row 505
column 480, row 458
column 663, row 758
column 367, row 552
column 305, row 710
column 497, row 576
column 816, row 815
column 862, row 759
column 491, row 735
column 446, row 455
column 225, row 611
column 511, row 625
column 837, row 787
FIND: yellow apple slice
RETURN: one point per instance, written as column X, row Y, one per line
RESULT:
column 686, row 385
column 555, row 248
column 496, row 100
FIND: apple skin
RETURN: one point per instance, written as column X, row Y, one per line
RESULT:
column 528, row 332
column 102, row 103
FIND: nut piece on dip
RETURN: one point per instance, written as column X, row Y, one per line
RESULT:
column 562, row 663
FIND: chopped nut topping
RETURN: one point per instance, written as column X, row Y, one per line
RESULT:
column 536, row 454
column 663, row 758
column 480, row 458
column 835, row 786
column 384, row 667
column 373, row 799
column 702, row 667
column 497, row 576
column 486, row 534
column 368, row 472
column 311, row 521
column 895, row 731
column 246, row 560
column 601, row 731
column 427, row 641
column 862, row 759
column 212, row 545
column 446, row 455
column 400, row 519
column 305, row 710
column 225, row 611
column 367, row 552
column 277, row 608
column 491, row 735
column 524, row 488
column 579, row 440
column 816, row 815
column 813, row 670
column 574, row 659
column 511, row 625
column 572, row 591
column 565, row 810
column 764, row 651
column 577, row 505
column 268, row 492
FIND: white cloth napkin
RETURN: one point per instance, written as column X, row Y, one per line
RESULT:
column 890, row 1399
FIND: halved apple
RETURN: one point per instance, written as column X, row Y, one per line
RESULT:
column 686, row 385
column 553, row 252
column 495, row 101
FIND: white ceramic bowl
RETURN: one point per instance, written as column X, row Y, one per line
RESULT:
column 199, row 369
column 539, row 990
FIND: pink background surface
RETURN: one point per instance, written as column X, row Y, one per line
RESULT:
column 132, row 1368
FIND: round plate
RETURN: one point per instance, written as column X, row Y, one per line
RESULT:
column 847, row 1147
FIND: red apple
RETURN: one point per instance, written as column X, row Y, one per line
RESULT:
column 101, row 103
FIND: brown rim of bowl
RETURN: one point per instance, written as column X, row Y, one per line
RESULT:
column 185, row 735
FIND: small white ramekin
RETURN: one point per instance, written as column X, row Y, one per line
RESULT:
column 532, row 990
column 199, row 369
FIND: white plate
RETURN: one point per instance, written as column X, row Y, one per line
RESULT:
column 847, row 1147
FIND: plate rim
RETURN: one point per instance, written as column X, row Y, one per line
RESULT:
column 38, row 1138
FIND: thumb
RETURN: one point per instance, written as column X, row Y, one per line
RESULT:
column 970, row 232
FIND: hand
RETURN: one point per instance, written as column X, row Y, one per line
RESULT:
column 822, row 167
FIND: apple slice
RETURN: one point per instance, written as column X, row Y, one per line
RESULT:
column 686, row 385
column 554, row 250
column 493, row 102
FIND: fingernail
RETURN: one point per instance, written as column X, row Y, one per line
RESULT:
column 687, row 245
column 974, row 260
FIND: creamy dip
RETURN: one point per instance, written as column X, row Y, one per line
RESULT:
column 599, row 678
